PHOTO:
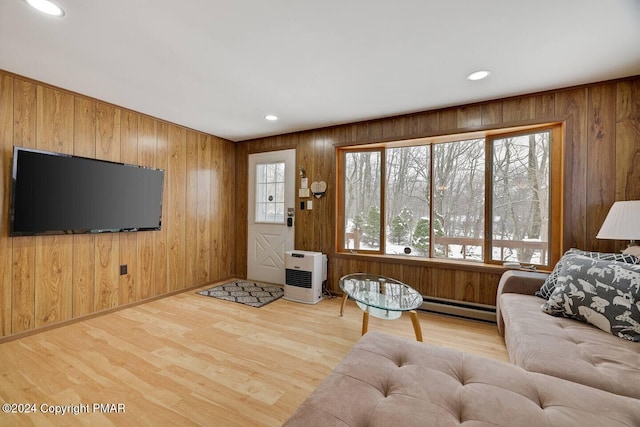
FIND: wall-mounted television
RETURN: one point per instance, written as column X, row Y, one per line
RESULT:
column 55, row 193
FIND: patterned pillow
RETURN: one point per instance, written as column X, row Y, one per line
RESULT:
column 603, row 293
column 549, row 285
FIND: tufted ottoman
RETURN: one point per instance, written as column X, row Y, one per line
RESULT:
column 390, row 381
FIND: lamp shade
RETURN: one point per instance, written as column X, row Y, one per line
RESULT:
column 622, row 222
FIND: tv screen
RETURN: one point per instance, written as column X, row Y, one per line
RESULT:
column 54, row 193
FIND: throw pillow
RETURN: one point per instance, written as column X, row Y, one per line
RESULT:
column 603, row 293
column 549, row 284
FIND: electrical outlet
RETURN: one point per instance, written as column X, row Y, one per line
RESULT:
column 123, row 269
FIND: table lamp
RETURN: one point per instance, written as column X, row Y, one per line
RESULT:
column 623, row 223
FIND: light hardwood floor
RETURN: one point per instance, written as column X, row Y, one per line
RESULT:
column 194, row 360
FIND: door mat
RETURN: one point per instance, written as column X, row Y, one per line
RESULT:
column 245, row 292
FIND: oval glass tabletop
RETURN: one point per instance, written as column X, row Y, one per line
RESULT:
column 381, row 296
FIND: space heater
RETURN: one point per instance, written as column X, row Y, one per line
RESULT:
column 305, row 272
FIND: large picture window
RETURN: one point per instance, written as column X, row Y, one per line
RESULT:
column 477, row 197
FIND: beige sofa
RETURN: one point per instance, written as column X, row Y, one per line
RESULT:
column 565, row 373
column 390, row 381
column 562, row 347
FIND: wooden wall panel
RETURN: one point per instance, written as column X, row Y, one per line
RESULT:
column 54, row 254
column 107, row 251
column 129, row 284
column 6, row 255
column 367, row 131
column 601, row 164
column 24, row 248
column 24, row 113
column 53, row 291
column 176, row 210
column 467, row 285
column 418, row 125
column 491, row 113
column 203, row 209
column 48, row 279
column 242, row 185
column 393, row 128
column 627, row 175
column 326, row 164
column 160, row 250
column 216, row 208
column 601, row 160
column 84, row 246
column 147, row 141
column 147, row 145
column 447, row 120
column 488, row 288
column 304, row 219
column 191, row 214
column 518, row 109
column 545, row 106
column 23, row 281
column 469, row 117
column 572, row 105
column 228, row 241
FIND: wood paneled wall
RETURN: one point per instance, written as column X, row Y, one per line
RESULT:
column 48, row 279
column 601, row 165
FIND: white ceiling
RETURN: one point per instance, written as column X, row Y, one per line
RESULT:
column 219, row 66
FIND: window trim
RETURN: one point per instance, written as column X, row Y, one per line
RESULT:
column 555, row 197
column 556, row 185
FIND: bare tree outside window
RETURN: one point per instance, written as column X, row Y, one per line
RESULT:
column 362, row 205
column 458, row 199
column 407, row 198
column 521, row 179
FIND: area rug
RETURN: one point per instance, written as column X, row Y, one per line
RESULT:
column 245, row 292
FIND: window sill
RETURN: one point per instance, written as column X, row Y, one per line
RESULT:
column 430, row 262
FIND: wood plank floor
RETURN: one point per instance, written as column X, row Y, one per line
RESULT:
column 194, row 360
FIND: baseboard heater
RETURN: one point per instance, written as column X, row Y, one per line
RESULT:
column 469, row 310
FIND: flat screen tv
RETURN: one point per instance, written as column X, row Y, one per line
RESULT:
column 54, row 193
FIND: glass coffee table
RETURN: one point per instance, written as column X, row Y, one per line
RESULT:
column 381, row 297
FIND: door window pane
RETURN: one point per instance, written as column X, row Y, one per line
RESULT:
column 362, row 220
column 520, row 229
column 270, row 192
column 458, row 199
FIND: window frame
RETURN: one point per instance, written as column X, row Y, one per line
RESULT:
column 555, row 195
column 556, row 186
column 341, row 158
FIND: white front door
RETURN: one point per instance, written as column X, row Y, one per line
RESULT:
column 271, row 203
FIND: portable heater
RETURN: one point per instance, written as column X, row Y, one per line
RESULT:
column 305, row 272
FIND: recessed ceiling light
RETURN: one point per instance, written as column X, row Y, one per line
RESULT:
column 271, row 117
column 45, row 6
column 478, row 75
